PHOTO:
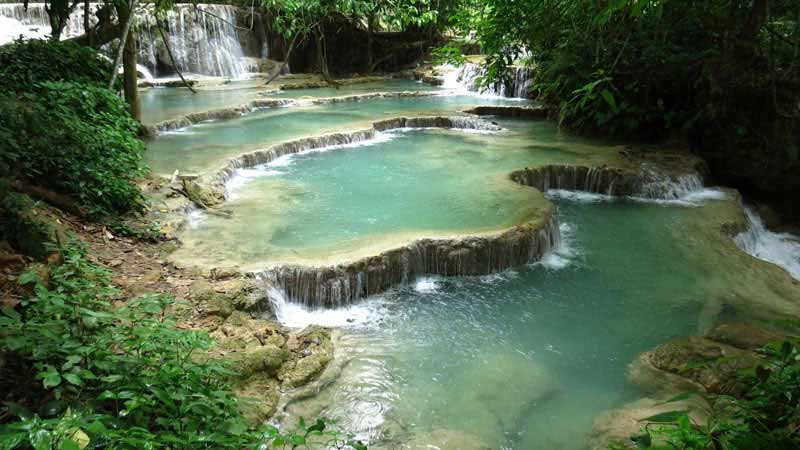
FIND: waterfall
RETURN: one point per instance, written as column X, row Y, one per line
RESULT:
column 342, row 284
column 782, row 249
column 468, row 76
column 203, row 40
column 662, row 187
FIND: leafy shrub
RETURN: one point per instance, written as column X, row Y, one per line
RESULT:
column 75, row 139
column 765, row 417
column 92, row 375
column 25, row 63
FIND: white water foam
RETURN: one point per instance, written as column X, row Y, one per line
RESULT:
column 685, row 198
column 577, row 196
column 294, row 315
column 782, row 249
column 564, row 254
column 426, row 285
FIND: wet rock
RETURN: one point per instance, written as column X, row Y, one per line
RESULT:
column 745, row 336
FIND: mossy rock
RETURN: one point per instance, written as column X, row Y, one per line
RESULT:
column 265, row 359
column 258, row 398
column 201, row 195
column 712, row 365
column 311, row 351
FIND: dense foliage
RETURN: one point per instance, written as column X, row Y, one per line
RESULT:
column 765, row 416
column 76, row 139
column 644, row 67
column 88, row 375
column 25, row 63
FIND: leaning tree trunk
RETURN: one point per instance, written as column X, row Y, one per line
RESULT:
column 129, row 76
column 322, row 55
column 370, row 38
column 128, row 53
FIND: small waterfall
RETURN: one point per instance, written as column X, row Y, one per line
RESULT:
column 598, row 180
column 341, row 285
column 662, row 187
column 203, row 39
column 468, row 76
column 782, row 249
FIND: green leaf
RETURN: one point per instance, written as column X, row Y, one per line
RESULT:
column 51, row 379
column 73, row 379
column 11, row 440
column 666, row 417
column 69, row 444
column 609, row 98
column 41, row 440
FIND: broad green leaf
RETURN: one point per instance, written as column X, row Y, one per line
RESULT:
column 666, row 417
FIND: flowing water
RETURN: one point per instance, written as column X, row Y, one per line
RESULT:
column 522, row 359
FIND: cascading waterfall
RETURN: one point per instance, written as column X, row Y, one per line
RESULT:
column 203, row 39
column 782, row 249
column 468, row 75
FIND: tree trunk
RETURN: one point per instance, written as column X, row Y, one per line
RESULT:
column 322, row 55
column 127, row 52
column 86, row 27
column 129, row 76
column 370, row 38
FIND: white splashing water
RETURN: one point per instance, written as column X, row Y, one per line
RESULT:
column 294, row 315
column 467, row 78
column 426, row 285
column 782, row 249
column 564, row 254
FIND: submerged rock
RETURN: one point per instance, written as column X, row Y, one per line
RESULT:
column 622, row 426
column 501, row 391
column 445, row 440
